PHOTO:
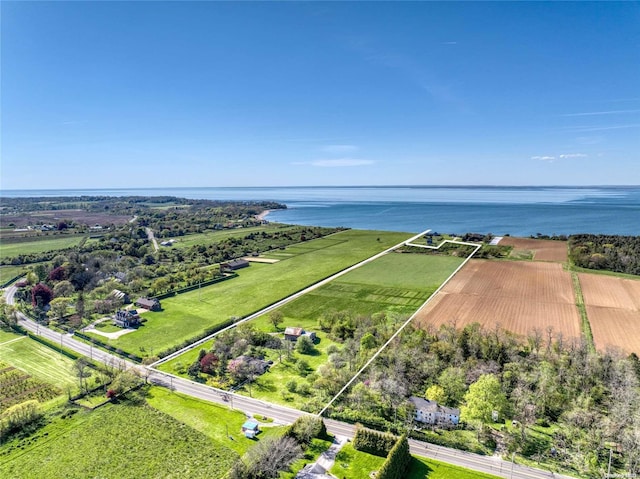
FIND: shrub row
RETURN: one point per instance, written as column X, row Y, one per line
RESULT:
column 306, row 428
column 373, row 442
column 398, row 461
column 109, row 347
column 445, row 440
column 53, row 345
column 186, row 289
column 11, row 281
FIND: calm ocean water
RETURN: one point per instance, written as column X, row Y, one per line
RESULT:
column 519, row 211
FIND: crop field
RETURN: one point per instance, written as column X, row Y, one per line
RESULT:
column 37, row 245
column 613, row 309
column 518, row 296
column 16, row 386
column 37, row 360
column 112, row 442
column 542, row 250
column 256, row 287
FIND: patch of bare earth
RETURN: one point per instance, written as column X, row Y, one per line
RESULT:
column 613, row 309
column 544, row 250
column 519, row 296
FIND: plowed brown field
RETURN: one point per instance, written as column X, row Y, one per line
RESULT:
column 544, row 250
column 517, row 295
column 613, row 308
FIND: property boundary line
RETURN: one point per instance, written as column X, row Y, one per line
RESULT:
column 286, row 300
column 384, row 346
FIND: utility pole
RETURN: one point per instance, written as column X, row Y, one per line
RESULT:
column 512, row 457
column 609, row 468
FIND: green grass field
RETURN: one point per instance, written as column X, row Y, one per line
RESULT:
column 10, row 249
column 186, row 315
column 116, row 441
column 209, row 419
column 37, row 360
column 215, row 236
column 9, row 272
column 395, row 282
column 352, row 464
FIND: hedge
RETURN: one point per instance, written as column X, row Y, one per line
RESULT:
column 193, row 287
column 108, row 347
column 373, row 442
column 398, row 461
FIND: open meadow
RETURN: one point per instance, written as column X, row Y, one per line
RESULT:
column 9, row 272
column 211, row 237
column 256, row 287
column 518, row 296
column 39, row 244
column 115, row 441
column 613, row 309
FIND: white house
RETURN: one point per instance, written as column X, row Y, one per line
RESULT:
column 430, row 412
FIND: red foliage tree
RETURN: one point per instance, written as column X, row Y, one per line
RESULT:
column 58, row 274
column 208, row 362
column 41, row 295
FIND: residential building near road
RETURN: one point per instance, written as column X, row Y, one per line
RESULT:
column 430, row 412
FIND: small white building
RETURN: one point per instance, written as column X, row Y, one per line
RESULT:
column 430, row 412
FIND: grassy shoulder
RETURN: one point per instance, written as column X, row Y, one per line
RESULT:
column 353, row 464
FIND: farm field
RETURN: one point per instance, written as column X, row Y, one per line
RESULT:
column 115, row 441
column 353, row 464
column 16, row 387
column 613, row 309
column 542, row 250
column 37, row 360
column 37, row 245
column 186, row 315
column 519, row 296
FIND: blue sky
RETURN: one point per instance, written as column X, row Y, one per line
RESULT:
column 110, row 94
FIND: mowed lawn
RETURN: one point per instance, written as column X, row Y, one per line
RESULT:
column 37, row 360
column 10, row 249
column 396, row 282
column 116, row 441
column 353, row 464
column 257, row 286
column 216, row 422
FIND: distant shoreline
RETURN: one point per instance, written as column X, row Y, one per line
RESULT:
column 263, row 215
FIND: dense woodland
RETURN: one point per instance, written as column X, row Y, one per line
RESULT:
column 606, row 252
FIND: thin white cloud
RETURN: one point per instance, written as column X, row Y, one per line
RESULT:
column 336, row 163
column 594, row 113
column 573, row 155
column 579, row 129
column 564, row 156
column 449, row 43
column 339, row 148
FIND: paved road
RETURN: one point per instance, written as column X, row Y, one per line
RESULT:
column 152, row 238
column 280, row 414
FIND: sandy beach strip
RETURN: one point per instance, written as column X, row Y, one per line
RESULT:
column 263, row 215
